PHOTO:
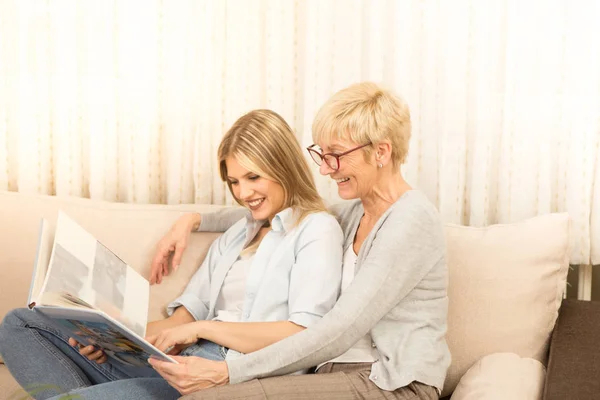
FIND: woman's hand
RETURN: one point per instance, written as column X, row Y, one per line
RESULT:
column 90, row 352
column 173, row 243
column 155, row 327
column 181, row 316
column 192, row 373
column 176, row 339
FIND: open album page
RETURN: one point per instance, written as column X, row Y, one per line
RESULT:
column 86, row 270
column 42, row 259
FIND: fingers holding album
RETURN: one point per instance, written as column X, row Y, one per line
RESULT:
column 97, row 355
column 90, row 352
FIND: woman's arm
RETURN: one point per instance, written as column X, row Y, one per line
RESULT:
column 179, row 317
column 220, row 221
column 247, row 337
column 170, row 249
column 244, row 337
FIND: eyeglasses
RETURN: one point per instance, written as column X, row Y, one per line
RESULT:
column 332, row 160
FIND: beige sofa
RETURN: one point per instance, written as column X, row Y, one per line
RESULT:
column 505, row 286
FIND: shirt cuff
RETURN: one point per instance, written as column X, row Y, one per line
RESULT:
column 235, row 367
column 196, row 307
column 304, row 319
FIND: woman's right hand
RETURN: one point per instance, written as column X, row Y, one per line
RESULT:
column 90, row 352
column 173, row 243
column 174, row 340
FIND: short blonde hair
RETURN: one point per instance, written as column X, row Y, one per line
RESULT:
column 262, row 142
column 365, row 112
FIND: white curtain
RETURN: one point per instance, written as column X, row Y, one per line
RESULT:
column 127, row 100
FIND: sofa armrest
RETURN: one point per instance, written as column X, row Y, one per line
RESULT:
column 574, row 359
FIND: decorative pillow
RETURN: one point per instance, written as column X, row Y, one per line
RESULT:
column 506, row 283
column 502, row 376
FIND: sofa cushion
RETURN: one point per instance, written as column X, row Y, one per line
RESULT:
column 506, row 283
column 502, row 376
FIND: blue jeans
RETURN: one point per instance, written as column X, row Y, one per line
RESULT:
column 41, row 360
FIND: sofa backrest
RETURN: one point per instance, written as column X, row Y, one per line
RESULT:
column 131, row 231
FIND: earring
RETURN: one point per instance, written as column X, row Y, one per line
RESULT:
column 380, row 165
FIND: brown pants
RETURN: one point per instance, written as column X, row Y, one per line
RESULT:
column 332, row 382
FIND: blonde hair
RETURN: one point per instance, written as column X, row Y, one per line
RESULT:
column 363, row 113
column 262, row 142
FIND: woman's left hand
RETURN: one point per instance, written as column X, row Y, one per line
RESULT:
column 192, row 373
column 176, row 339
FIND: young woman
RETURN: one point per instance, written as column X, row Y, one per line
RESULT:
column 276, row 271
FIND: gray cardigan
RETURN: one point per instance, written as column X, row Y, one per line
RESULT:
column 399, row 295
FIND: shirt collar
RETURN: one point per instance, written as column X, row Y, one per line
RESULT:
column 282, row 222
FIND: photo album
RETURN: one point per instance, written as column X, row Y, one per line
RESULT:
column 90, row 294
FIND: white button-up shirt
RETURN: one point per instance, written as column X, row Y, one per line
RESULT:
column 295, row 274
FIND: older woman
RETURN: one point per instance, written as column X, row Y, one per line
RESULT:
column 384, row 338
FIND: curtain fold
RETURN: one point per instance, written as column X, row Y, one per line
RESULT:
column 127, row 100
